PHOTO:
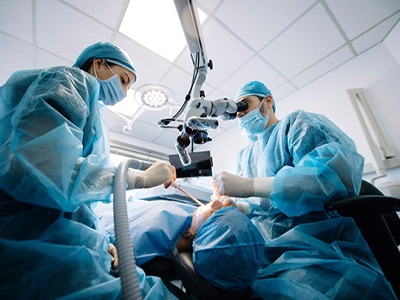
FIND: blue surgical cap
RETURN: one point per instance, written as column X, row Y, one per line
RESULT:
column 254, row 88
column 227, row 250
column 109, row 52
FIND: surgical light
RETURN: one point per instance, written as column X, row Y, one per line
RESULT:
column 154, row 96
column 151, row 96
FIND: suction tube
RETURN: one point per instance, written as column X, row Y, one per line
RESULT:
column 126, row 257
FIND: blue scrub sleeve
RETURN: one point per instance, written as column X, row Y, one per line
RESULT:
column 326, row 165
column 54, row 149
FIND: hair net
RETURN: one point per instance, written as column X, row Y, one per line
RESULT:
column 109, row 52
column 226, row 243
column 254, row 88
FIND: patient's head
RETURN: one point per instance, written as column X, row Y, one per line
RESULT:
column 200, row 215
column 227, row 249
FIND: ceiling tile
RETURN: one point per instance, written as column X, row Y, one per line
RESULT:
column 283, row 91
column 114, row 121
column 375, row 35
column 145, row 131
column 150, row 67
column 46, row 59
column 185, row 63
column 357, row 16
column 15, row 54
column 225, row 59
column 17, row 22
column 310, row 39
column 327, row 64
column 217, row 94
column 209, row 4
column 152, row 117
column 103, row 10
column 392, row 42
column 255, row 69
column 257, row 22
column 64, row 31
column 179, row 82
column 184, row 60
column 167, row 139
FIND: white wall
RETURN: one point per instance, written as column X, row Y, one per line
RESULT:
column 376, row 70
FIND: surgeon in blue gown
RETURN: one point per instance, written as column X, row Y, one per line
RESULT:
column 290, row 168
column 54, row 165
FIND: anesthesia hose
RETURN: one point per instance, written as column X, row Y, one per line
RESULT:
column 127, row 264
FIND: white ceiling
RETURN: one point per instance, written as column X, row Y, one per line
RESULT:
column 286, row 44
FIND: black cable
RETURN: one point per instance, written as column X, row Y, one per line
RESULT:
column 194, row 77
column 196, row 64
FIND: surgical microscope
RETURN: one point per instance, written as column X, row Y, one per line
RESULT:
column 202, row 113
column 200, row 117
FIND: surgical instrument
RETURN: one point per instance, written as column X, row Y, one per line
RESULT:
column 187, row 194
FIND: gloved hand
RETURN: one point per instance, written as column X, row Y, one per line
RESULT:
column 201, row 215
column 114, row 253
column 160, row 172
column 228, row 201
column 236, row 186
column 228, row 184
column 225, row 200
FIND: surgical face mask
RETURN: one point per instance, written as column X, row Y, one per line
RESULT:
column 111, row 91
column 253, row 122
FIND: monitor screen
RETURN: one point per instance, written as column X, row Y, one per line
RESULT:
column 201, row 165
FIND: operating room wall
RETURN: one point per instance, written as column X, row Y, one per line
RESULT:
column 376, row 71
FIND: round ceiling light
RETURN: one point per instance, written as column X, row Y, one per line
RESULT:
column 154, row 96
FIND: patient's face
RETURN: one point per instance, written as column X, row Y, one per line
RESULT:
column 202, row 214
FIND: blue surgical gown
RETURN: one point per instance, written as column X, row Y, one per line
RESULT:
column 156, row 226
column 309, row 253
column 54, row 164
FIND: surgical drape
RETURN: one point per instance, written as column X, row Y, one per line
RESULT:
column 156, row 226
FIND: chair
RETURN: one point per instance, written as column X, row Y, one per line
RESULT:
column 376, row 217
column 181, row 267
column 196, row 285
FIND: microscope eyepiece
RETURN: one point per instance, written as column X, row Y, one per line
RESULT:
column 241, row 106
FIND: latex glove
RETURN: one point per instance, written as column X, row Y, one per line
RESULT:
column 201, row 215
column 160, row 172
column 236, row 186
column 114, row 261
column 227, row 201
column 228, row 184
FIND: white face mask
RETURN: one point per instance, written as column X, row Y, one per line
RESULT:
column 111, row 91
column 253, row 122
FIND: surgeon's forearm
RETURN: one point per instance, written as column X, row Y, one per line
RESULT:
column 135, row 180
column 263, row 186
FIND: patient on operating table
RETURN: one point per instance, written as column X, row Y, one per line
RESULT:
column 222, row 239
